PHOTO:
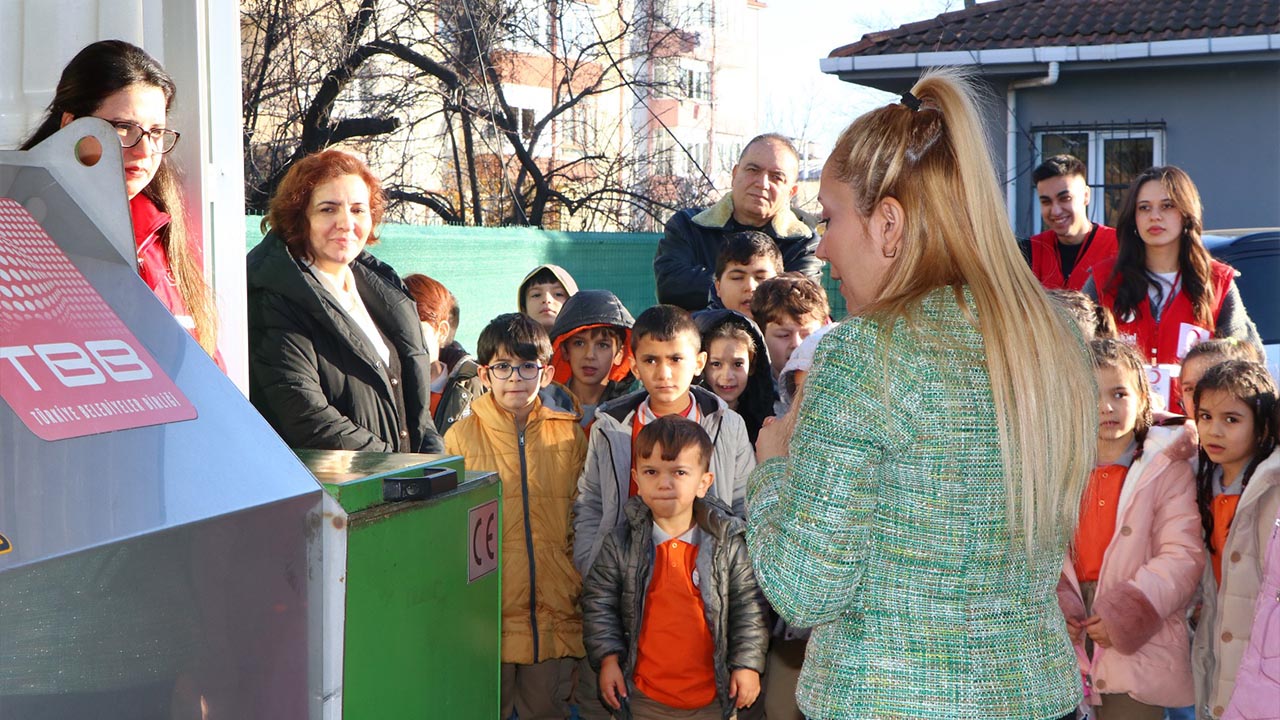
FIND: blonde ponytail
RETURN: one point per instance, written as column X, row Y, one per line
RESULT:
column 936, row 162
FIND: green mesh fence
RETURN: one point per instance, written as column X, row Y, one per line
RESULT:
column 482, row 267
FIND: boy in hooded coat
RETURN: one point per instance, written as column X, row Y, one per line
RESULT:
column 602, row 312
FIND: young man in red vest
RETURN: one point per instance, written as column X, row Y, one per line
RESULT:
column 1061, row 256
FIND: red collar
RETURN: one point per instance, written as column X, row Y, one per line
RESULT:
column 147, row 220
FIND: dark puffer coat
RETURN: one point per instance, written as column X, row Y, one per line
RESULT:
column 685, row 261
column 460, row 390
column 614, row 592
column 312, row 372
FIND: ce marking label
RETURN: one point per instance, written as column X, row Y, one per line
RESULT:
column 482, row 540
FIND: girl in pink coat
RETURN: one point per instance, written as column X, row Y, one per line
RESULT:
column 1137, row 556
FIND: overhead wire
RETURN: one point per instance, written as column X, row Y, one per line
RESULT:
column 628, row 83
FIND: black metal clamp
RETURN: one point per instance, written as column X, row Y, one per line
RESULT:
column 432, row 481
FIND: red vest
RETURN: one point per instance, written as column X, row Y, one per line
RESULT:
column 1046, row 263
column 153, row 263
column 1163, row 336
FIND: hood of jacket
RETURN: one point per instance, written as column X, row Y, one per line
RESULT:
column 585, row 310
column 453, row 354
column 1173, row 440
column 570, row 286
column 786, row 224
column 1163, row 446
column 756, row 402
column 589, row 308
column 557, row 398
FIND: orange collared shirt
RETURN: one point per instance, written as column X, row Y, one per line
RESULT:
column 1223, row 509
column 675, row 654
column 1097, row 524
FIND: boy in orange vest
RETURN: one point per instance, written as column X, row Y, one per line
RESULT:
column 680, row 559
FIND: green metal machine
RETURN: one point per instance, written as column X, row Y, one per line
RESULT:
column 412, row 583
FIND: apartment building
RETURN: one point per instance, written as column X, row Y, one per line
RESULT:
column 568, row 114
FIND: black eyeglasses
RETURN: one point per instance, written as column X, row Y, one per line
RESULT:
column 162, row 139
column 528, row 370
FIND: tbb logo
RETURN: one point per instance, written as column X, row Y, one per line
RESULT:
column 95, row 363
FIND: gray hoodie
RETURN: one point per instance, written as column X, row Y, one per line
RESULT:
column 605, row 482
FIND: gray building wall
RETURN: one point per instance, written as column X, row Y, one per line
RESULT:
column 1222, row 127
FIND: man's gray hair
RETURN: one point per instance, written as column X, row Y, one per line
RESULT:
column 778, row 138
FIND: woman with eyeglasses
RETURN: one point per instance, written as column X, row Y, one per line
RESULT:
column 337, row 359
column 122, row 84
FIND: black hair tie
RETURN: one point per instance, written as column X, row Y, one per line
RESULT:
column 911, row 101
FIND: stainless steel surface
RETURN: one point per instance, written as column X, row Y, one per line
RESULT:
column 159, row 571
column 98, row 189
column 339, row 466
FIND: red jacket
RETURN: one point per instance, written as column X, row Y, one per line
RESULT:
column 153, row 263
column 1167, row 336
column 1046, row 262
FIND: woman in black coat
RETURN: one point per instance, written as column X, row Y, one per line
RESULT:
column 337, row 358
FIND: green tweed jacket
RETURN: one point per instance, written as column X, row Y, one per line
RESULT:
column 885, row 528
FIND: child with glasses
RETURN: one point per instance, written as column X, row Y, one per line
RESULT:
column 526, row 429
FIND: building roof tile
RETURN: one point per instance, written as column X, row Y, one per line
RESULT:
column 1048, row 23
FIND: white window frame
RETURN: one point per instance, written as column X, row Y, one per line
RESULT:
column 1097, row 177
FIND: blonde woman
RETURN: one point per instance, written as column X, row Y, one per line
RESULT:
column 915, row 505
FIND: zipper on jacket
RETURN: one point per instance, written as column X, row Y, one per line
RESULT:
column 619, row 513
column 528, row 546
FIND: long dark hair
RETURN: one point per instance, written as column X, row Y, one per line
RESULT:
column 1250, row 383
column 96, row 73
column 1130, row 278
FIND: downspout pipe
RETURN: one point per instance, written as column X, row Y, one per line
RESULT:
column 1011, row 120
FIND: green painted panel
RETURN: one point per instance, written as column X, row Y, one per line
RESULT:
column 483, row 267
column 421, row 642
column 354, row 478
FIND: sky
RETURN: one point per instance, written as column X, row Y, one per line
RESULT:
column 802, row 100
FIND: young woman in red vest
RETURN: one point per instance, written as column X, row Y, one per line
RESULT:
column 122, row 84
column 1167, row 294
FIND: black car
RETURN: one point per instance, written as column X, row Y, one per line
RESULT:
column 1255, row 252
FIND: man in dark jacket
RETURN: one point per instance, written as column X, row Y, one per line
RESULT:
column 313, row 373
column 764, row 182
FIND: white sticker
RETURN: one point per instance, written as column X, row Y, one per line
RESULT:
column 1162, row 379
column 1190, row 336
